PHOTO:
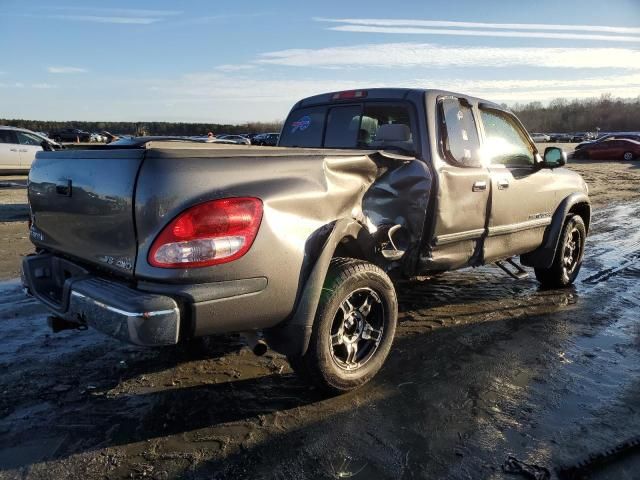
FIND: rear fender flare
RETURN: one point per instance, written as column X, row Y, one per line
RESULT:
column 292, row 336
column 544, row 255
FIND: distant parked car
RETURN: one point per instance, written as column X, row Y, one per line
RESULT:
column 582, row 136
column 610, row 147
column 266, row 139
column 70, row 135
column 611, row 136
column 238, row 139
column 540, row 137
column 560, row 137
column 18, row 148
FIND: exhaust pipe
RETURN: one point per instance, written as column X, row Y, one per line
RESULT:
column 257, row 345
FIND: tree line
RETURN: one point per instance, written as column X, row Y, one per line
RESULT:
column 560, row 115
column 587, row 115
column 146, row 128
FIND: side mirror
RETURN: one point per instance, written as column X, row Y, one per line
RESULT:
column 554, row 157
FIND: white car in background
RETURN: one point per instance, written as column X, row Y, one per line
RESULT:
column 540, row 137
column 237, row 139
column 18, row 148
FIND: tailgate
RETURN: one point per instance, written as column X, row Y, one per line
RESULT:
column 82, row 205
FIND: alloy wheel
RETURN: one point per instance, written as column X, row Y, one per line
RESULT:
column 572, row 251
column 357, row 329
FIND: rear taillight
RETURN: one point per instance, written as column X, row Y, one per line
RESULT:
column 211, row 233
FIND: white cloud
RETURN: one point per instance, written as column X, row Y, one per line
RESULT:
column 411, row 55
column 234, row 67
column 483, row 33
column 392, row 22
column 508, row 30
column 66, row 70
column 228, row 90
column 103, row 19
column 111, row 15
column 119, row 11
column 43, row 86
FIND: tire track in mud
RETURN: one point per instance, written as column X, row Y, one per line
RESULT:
column 614, row 246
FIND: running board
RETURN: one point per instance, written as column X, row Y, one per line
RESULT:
column 518, row 272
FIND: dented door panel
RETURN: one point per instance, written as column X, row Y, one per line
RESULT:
column 460, row 215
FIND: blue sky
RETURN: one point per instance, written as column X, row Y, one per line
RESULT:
column 205, row 61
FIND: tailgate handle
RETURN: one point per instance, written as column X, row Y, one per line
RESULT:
column 64, row 189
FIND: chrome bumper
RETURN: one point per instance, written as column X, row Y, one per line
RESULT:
column 111, row 307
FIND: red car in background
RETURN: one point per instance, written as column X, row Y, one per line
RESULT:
column 610, row 147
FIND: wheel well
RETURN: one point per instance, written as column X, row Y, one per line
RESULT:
column 349, row 247
column 584, row 210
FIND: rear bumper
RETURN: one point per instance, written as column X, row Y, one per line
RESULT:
column 122, row 312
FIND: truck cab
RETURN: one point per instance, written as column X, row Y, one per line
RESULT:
column 493, row 194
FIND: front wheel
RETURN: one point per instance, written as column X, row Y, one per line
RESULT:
column 568, row 257
column 354, row 327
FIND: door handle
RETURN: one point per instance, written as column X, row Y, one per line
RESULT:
column 479, row 186
column 13, row 149
column 25, row 150
column 502, row 184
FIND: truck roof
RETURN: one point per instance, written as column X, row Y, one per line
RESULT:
column 389, row 94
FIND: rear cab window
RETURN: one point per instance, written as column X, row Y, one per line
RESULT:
column 369, row 125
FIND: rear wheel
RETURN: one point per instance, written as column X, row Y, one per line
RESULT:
column 628, row 156
column 354, row 327
column 568, row 257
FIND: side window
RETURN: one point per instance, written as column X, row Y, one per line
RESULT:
column 8, row 136
column 342, row 127
column 28, row 139
column 458, row 134
column 505, row 142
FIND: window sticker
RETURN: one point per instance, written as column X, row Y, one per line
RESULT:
column 302, row 124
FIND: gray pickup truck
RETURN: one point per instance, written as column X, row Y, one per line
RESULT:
column 156, row 242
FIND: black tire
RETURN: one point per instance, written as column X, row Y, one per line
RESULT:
column 568, row 257
column 349, row 345
column 628, row 156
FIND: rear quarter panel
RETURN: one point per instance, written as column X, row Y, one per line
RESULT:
column 301, row 195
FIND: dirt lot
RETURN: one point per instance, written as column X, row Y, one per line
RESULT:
column 483, row 368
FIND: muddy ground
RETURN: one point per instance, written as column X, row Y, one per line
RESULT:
column 483, row 368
